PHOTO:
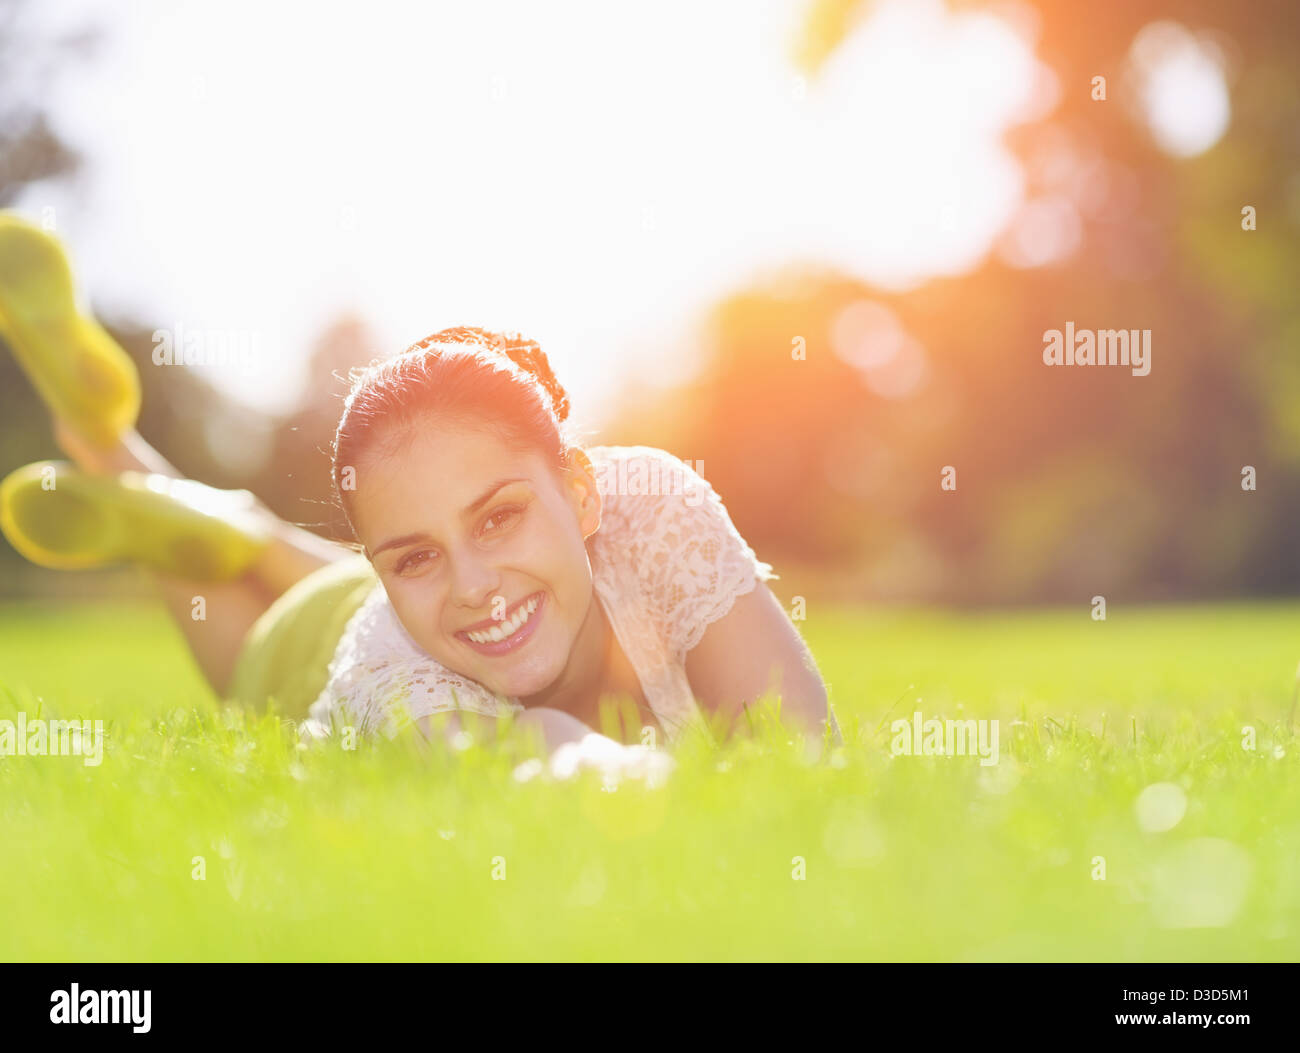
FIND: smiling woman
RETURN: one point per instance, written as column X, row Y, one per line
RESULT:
column 509, row 579
column 499, row 575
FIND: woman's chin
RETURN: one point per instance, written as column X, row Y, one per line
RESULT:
column 529, row 679
column 525, row 686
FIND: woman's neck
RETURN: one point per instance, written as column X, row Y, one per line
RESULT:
column 577, row 689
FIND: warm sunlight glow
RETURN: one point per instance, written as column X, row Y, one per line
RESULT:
column 484, row 164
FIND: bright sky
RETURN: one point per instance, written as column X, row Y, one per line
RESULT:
column 592, row 174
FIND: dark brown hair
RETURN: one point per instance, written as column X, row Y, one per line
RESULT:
column 496, row 380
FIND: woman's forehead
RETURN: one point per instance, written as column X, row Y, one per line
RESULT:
column 433, row 468
column 456, row 449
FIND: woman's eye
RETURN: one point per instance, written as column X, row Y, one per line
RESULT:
column 502, row 518
column 414, row 561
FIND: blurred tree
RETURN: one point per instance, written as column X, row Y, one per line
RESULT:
column 29, row 148
column 1070, row 482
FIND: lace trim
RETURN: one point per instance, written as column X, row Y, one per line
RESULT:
column 379, row 679
column 697, row 629
column 691, row 559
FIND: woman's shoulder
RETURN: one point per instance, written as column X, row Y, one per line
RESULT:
column 666, row 522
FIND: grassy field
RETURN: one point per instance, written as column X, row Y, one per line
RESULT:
column 381, row 853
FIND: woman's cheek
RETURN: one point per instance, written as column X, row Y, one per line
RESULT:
column 544, row 560
column 418, row 611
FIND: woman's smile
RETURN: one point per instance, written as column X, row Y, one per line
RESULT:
column 511, row 632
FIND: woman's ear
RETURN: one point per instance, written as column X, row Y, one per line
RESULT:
column 582, row 489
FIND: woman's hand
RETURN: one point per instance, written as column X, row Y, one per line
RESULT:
column 570, row 746
column 613, row 760
column 574, row 747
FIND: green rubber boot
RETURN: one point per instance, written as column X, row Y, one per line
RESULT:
column 83, row 375
column 58, row 516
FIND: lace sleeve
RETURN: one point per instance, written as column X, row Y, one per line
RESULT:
column 691, row 559
column 380, row 680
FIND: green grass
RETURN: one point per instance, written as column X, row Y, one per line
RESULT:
column 381, row 853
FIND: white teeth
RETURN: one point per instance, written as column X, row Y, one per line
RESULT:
column 507, row 628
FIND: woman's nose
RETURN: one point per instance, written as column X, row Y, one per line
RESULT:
column 474, row 581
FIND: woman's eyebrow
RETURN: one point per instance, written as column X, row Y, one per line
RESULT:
column 474, row 506
column 488, row 494
column 399, row 542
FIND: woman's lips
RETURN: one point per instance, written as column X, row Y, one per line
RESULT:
column 510, row 643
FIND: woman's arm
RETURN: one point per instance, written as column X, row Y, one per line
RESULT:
column 753, row 650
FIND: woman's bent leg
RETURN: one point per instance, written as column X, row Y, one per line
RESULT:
column 287, row 653
column 215, row 618
column 293, row 553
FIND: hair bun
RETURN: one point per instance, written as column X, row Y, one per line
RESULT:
column 526, row 354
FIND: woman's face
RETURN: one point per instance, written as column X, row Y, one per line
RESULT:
column 481, row 549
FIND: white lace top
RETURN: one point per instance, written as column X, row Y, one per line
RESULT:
column 666, row 562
